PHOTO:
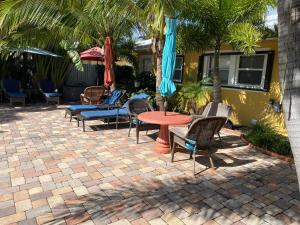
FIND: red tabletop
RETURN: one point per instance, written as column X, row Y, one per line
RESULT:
column 159, row 117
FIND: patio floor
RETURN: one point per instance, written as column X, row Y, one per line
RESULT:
column 53, row 173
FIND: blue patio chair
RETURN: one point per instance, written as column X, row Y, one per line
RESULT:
column 12, row 90
column 109, row 103
column 107, row 114
column 48, row 90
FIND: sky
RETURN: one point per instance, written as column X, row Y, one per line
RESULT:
column 271, row 19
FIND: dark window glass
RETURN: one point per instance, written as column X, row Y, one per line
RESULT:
column 179, row 61
column 253, row 62
column 224, row 64
column 178, row 69
column 224, row 76
column 147, row 65
column 250, row 77
column 178, row 76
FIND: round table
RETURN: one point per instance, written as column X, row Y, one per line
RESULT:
column 159, row 117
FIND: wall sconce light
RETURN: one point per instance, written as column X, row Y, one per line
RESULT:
column 137, row 84
column 277, row 106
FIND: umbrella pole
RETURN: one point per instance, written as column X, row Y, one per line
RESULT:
column 165, row 105
column 97, row 80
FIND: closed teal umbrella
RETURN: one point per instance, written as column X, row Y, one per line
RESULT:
column 167, row 86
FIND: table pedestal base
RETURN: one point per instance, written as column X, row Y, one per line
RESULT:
column 162, row 142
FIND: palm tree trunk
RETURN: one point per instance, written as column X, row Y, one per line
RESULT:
column 216, row 73
column 158, row 97
column 289, row 70
column 159, row 100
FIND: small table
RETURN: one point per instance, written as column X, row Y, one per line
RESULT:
column 159, row 117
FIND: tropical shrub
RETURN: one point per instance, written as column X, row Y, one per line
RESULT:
column 147, row 80
column 42, row 67
column 124, row 74
column 55, row 69
column 265, row 137
column 59, row 71
column 193, row 96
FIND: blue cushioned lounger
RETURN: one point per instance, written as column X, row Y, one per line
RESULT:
column 13, row 91
column 73, row 110
column 47, row 88
column 108, row 103
column 104, row 114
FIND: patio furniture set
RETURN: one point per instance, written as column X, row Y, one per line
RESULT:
column 193, row 133
column 15, row 94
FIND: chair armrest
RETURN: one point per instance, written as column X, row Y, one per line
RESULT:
column 183, row 140
column 190, row 141
column 83, row 99
column 133, row 115
column 194, row 117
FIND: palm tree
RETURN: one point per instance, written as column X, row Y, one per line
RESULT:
column 151, row 15
column 219, row 21
column 87, row 22
column 289, row 67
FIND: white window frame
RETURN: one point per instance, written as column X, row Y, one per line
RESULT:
column 234, row 71
column 263, row 70
column 179, row 69
column 142, row 60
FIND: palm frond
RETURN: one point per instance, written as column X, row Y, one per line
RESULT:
column 73, row 54
column 244, row 37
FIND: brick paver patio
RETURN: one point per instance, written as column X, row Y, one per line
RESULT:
column 53, row 173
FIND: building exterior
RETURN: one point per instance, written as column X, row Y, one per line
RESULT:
column 250, row 84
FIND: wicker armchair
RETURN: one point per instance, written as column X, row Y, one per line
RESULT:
column 197, row 137
column 215, row 109
column 135, row 107
column 92, row 95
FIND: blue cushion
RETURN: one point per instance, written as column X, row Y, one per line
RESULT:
column 16, row 94
column 137, row 96
column 190, row 144
column 11, row 85
column 81, row 107
column 47, row 86
column 54, row 94
column 140, row 96
column 113, row 98
column 104, row 113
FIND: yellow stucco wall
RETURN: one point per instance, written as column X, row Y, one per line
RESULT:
column 247, row 105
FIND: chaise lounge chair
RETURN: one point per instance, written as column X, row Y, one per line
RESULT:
column 12, row 90
column 109, row 103
column 48, row 90
column 107, row 114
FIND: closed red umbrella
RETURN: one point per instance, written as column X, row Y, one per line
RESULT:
column 108, row 79
column 92, row 54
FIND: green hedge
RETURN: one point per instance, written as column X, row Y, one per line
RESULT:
column 265, row 137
